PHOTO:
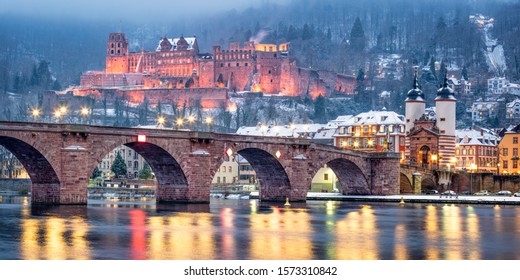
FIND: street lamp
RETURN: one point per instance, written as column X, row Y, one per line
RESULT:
column 179, row 122
column 57, row 114
column 35, row 113
column 84, row 113
column 208, row 121
column 161, row 120
column 191, row 119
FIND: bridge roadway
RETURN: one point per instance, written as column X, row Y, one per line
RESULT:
column 61, row 157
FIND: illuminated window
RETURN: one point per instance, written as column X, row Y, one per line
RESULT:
column 504, row 163
column 505, row 152
column 515, row 152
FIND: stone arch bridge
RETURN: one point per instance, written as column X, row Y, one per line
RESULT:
column 61, row 157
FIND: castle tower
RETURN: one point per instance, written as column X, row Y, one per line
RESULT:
column 445, row 104
column 117, row 53
column 415, row 104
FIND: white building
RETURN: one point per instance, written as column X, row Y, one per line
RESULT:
column 513, row 109
column 512, row 88
column 497, row 85
column 483, row 110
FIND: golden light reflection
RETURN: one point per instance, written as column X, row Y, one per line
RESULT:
column 452, row 231
column 54, row 239
column 184, row 236
column 400, row 250
column 473, row 233
column 357, row 236
column 432, row 233
column 285, row 234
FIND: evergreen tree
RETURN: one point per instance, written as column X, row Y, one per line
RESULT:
column 320, row 111
column 96, row 173
column 118, row 166
column 464, row 73
column 146, row 172
column 307, row 32
column 357, row 36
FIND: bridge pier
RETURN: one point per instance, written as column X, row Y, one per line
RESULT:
column 197, row 189
column 385, row 176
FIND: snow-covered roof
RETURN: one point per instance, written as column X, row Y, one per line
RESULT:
column 325, row 133
column 338, row 121
column 513, row 103
column 471, row 136
column 295, row 130
column 376, row 117
column 174, row 41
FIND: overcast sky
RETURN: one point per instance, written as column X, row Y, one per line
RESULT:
column 133, row 10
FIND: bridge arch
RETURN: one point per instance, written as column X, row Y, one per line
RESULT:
column 406, row 184
column 351, row 178
column 272, row 177
column 172, row 181
column 44, row 178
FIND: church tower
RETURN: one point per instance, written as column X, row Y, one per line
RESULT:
column 446, row 104
column 117, row 53
column 415, row 103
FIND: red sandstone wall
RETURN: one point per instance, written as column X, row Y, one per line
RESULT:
column 268, row 64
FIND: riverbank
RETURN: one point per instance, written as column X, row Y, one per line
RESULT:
column 461, row 199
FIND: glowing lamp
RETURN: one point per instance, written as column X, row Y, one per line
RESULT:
column 229, row 152
column 278, row 154
column 141, row 138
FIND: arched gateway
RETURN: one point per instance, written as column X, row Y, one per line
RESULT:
column 60, row 158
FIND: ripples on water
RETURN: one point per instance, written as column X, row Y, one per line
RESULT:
column 249, row 229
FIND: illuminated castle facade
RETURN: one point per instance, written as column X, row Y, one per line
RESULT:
column 177, row 64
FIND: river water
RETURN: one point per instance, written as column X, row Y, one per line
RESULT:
column 253, row 230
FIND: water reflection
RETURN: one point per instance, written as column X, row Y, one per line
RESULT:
column 253, row 230
column 357, row 236
column 54, row 239
column 282, row 234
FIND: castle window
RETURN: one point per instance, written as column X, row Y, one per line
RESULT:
column 443, row 119
column 271, row 80
column 111, row 51
column 274, row 55
column 238, row 64
column 229, row 65
column 269, row 71
column 118, row 45
column 118, row 52
column 221, row 64
column 112, row 45
column 246, row 63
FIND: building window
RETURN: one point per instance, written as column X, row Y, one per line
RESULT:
column 471, row 151
column 505, row 152
column 515, row 164
column 218, row 180
column 238, row 64
column 515, row 152
column 223, row 179
column 341, row 130
column 443, row 119
column 326, row 177
column 515, row 140
column 230, row 169
column 349, row 129
column 246, row 64
column 504, row 164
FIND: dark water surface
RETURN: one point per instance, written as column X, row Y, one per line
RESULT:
column 249, row 229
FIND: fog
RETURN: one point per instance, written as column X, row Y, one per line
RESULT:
column 124, row 10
